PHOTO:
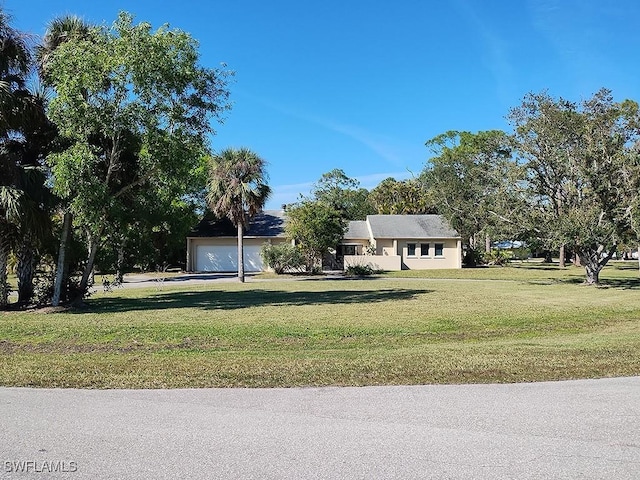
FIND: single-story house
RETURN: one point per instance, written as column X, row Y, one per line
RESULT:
column 212, row 245
column 400, row 242
column 384, row 242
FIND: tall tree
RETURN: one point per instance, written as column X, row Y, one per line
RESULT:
column 29, row 149
column 17, row 109
column 406, row 197
column 140, row 113
column 343, row 194
column 237, row 189
column 472, row 176
column 316, row 227
column 582, row 168
column 59, row 31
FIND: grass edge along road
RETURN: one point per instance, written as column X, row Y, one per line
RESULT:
column 476, row 326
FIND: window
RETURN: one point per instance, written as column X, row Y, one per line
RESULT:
column 348, row 249
column 424, row 249
column 439, row 249
column 343, row 250
column 411, row 249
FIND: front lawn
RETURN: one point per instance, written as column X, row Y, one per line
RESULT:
column 509, row 324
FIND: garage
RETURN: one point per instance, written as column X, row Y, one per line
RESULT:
column 212, row 245
column 224, row 258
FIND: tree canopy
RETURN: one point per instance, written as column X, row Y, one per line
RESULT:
column 405, row 197
column 26, row 135
column 139, row 113
column 343, row 194
column 471, row 176
column 316, row 227
column 582, row 172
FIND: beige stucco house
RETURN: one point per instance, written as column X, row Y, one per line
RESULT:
column 399, row 242
column 384, row 242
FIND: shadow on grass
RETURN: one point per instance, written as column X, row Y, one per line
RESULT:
column 620, row 283
column 543, row 267
column 231, row 300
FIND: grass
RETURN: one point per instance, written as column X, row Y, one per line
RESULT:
column 511, row 324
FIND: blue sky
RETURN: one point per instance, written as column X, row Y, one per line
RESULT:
column 362, row 85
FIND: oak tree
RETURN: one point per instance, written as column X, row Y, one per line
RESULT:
column 135, row 107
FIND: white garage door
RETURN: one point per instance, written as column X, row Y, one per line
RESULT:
column 224, row 258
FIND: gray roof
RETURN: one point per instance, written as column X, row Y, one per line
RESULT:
column 268, row 223
column 410, row 226
column 357, row 229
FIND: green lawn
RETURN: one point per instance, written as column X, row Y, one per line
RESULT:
column 512, row 324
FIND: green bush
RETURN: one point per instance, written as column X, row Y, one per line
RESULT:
column 359, row 270
column 497, row 257
column 282, row 258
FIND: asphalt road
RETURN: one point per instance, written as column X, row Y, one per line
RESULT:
column 562, row 430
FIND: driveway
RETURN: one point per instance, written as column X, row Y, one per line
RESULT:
column 562, row 430
column 146, row 280
column 142, row 280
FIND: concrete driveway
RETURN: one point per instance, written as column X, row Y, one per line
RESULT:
column 577, row 429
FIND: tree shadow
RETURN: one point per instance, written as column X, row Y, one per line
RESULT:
column 547, row 267
column 231, row 300
column 622, row 283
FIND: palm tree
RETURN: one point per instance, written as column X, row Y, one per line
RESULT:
column 59, row 31
column 15, row 64
column 9, row 217
column 34, row 230
column 237, row 190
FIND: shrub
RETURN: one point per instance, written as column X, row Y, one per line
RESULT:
column 359, row 270
column 282, row 258
column 472, row 258
column 497, row 257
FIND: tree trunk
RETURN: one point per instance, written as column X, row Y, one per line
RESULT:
column 4, row 283
column 562, row 260
column 25, row 270
column 593, row 273
column 240, row 253
column 120, row 264
column 61, row 268
column 487, row 244
column 88, row 269
column 594, row 261
column 576, row 260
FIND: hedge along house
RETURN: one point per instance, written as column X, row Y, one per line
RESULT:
column 401, row 242
column 212, row 245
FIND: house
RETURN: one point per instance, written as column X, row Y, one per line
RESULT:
column 212, row 245
column 384, row 242
column 400, row 242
